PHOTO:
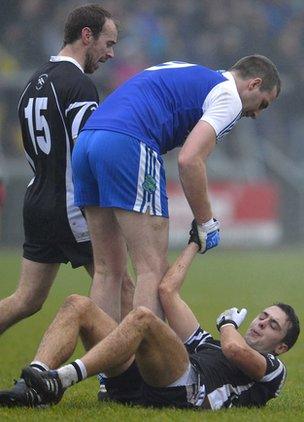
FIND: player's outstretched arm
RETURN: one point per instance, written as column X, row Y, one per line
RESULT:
column 179, row 316
column 234, row 346
column 192, row 169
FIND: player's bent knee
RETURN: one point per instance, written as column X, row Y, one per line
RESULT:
column 142, row 316
column 80, row 303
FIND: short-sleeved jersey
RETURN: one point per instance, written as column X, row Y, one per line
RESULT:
column 52, row 109
column 162, row 104
column 226, row 385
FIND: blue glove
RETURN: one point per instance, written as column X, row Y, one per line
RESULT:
column 209, row 234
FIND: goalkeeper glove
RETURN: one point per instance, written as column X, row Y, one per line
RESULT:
column 231, row 316
column 209, row 234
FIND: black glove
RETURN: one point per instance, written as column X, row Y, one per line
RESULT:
column 194, row 237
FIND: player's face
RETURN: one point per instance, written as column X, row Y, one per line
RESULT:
column 255, row 101
column 102, row 48
column 267, row 330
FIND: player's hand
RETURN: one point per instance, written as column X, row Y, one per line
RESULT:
column 194, row 237
column 232, row 316
column 209, row 234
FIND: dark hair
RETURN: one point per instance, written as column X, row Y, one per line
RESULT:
column 259, row 66
column 92, row 16
column 294, row 330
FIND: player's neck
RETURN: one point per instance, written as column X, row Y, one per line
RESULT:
column 241, row 84
column 71, row 50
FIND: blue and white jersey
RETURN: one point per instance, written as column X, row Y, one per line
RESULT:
column 162, row 104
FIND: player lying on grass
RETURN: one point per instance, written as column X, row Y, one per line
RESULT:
column 179, row 365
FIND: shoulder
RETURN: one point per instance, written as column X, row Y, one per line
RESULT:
column 71, row 83
column 225, row 94
column 72, row 73
column 275, row 376
column 275, row 368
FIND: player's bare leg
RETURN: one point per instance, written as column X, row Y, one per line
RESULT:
column 127, row 295
column 160, row 354
column 127, row 291
column 147, row 240
column 78, row 316
column 110, row 259
column 34, row 285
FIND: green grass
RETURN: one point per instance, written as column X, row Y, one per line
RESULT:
column 215, row 282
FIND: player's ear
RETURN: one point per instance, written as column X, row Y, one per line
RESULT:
column 255, row 83
column 86, row 35
column 281, row 348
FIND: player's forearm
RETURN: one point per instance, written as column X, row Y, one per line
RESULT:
column 194, row 181
column 231, row 339
column 233, row 345
column 175, row 276
column 237, row 351
column 179, row 316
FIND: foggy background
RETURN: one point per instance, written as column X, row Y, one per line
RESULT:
column 256, row 173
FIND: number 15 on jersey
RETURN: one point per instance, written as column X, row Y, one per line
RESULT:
column 38, row 125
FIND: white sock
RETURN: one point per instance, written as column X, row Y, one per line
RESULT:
column 40, row 366
column 72, row 373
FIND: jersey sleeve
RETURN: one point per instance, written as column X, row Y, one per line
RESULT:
column 196, row 339
column 275, row 375
column 82, row 101
column 222, row 108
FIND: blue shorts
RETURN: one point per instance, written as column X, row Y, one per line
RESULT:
column 113, row 170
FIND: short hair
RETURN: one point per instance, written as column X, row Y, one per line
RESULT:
column 294, row 329
column 92, row 16
column 259, row 66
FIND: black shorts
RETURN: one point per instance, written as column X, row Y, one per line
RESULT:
column 190, row 396
column 78, row 254
column 126, row 388
column 176, row 397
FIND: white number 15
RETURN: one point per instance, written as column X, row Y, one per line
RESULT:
column 33, row 114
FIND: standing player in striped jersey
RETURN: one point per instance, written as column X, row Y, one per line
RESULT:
column 119, row 174
column 181, row 365
column 53, row 108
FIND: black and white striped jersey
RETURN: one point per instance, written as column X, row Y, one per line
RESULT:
column 52, row 109
column 226, row 385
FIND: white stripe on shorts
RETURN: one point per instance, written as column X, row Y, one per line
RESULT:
column 141, row 178
column 148, row 165
column 157, row 192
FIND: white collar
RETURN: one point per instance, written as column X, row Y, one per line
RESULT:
column 228, row 75
column 66, row 59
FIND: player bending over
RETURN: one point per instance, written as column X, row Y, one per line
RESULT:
column 180, row 365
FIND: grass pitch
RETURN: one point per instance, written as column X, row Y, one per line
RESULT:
column 216, row 281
